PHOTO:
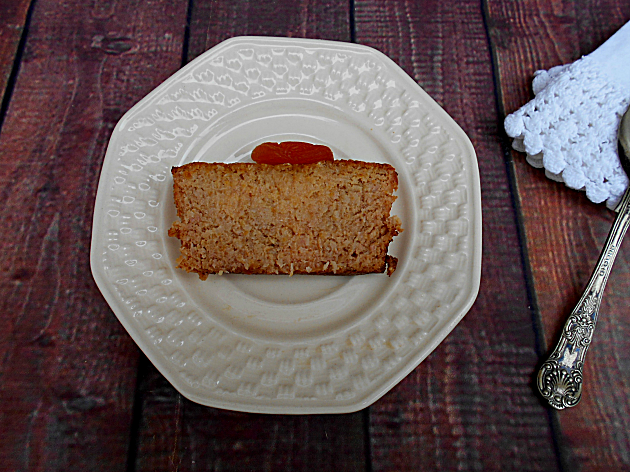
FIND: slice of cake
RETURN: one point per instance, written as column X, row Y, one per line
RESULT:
column 330, row 217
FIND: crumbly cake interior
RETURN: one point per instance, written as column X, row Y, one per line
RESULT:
column 322, row 218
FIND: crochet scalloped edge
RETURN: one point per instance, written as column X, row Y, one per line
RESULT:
column 570, row 129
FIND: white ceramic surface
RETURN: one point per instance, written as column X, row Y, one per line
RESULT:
column 279, row 344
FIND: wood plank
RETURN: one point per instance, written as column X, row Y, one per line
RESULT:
column 564, row 232
column 67, row 366
column 213, row 22
column 155, row 444
column 176, row 434
column 14, row 15
column 240, row 441
column 470, row 405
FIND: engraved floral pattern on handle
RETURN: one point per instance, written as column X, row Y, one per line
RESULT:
column 561, row 375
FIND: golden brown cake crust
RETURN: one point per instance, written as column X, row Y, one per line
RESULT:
column 322, row 218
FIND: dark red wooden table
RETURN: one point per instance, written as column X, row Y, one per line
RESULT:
column 77, row 394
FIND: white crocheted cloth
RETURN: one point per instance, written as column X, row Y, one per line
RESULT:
column 570, row 127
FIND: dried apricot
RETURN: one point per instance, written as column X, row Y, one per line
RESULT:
column 291, row 152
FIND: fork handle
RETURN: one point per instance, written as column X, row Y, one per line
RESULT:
column 560, row 377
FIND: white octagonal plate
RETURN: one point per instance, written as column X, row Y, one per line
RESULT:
column 279, row 344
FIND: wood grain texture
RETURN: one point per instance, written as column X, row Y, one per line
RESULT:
column 13, row 16
column 215, row 21
column 240, row 441
column 471, row 404
column 67, row 367
column 156, row 443
column 565, row 232
column 176, row 434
